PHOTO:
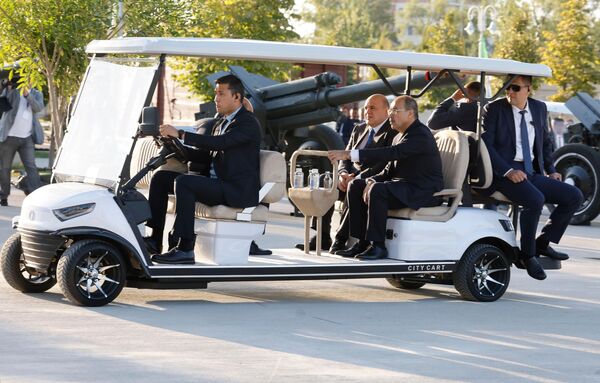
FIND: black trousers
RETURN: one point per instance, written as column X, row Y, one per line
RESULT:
column 188, row 190
column 368, row 221
column 531, row 194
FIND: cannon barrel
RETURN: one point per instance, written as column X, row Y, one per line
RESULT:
column 314, row 100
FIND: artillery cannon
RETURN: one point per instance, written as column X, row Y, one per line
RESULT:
column 579, row 160
column 292, row 113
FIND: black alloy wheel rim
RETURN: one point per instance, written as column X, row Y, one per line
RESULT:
column 31, row 275
column 490, row 274
column 99, row 274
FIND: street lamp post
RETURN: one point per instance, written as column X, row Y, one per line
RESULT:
column 479, row 13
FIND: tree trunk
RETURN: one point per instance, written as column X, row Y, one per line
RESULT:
column 56, row 116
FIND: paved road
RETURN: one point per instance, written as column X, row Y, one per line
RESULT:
column 320, row 331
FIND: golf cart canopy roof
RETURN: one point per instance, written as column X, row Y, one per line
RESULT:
column 307, row 53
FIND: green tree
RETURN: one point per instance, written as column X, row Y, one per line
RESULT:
column 48, row 38
column 571, row 52
column 243, row 19
column 353, row 23
column 443, row 37
column 518, row 38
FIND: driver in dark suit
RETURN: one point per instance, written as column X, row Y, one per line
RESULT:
column 233, row 155
column 517, row 138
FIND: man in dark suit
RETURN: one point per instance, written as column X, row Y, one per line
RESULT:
column 233, row 152
column 458, row 110
column 376, row 132
column 516, row 135
column 412, row 175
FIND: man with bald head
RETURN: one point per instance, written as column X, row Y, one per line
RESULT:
column 375, row 132
column 412, row 175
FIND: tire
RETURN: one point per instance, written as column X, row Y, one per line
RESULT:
column 96, row 263
column 580, row 165
column 17, row 275
column 396, row 281
column 319, row 137
column 478, row 261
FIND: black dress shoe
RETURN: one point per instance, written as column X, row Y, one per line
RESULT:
column 255, row 250
column 353, row 251
column 3, row 202
column 373, row 253
column 534, row 269
column 312, row 244
column 337, row 245
column 175, row 257
column 551, row 253
column 152, row 246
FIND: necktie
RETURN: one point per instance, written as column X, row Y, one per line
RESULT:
column 370, row 138
column 217, row 132
column 526, row 148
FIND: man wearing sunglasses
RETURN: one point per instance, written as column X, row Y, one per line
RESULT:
column 517, row 138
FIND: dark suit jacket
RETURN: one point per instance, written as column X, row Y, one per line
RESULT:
column 235, row 155
column 414, row 170
column 500, row 134
column 451, row 114
column 365, row 168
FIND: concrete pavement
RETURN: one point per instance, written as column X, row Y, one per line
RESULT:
column 360, row 330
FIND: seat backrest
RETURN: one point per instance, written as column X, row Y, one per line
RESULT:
column 273, row 169
column 481, row 174
column 454, row 151
column 145, row 149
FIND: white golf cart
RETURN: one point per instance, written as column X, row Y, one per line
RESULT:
column 85, row 230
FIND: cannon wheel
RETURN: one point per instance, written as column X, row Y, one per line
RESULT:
column 579, row 165
column 320, row 137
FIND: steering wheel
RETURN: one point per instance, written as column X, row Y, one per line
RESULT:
column 175, row 146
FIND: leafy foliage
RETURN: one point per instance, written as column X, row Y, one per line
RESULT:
column 48, row 38
column 444, row 37
column 571, row 52
column 249, row 19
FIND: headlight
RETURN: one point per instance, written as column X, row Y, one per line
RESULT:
column 70, row 212
column 507, row 225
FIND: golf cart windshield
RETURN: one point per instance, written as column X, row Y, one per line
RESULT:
column 101, row 131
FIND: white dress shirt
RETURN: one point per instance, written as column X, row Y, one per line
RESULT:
column 363, row 143
column 530, row 132
column 23, row 120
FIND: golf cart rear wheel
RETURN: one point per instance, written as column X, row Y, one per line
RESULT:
column 396, row 281
column 579, row 166
column 91, row 273
column 19, row 276
column 482, row 274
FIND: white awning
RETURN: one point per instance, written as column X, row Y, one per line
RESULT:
column 306, row 53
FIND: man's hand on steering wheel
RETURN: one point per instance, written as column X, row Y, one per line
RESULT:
column 169, row 138
column 167, row 130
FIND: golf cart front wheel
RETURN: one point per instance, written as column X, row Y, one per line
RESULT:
column 91, row 273
column 17, row 274
column 482, row 274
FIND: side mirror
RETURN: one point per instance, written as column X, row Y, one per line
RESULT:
column 149, row 124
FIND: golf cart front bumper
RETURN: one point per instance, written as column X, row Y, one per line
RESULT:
column 39, row 247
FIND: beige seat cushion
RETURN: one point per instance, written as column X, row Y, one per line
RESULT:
column 259, row 214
